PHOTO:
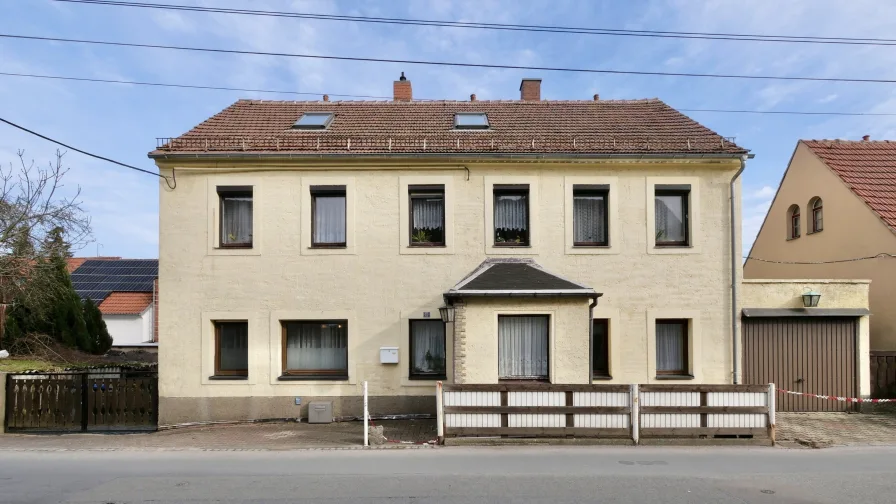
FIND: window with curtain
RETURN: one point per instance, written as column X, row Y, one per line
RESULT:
column 232, row 348
column 600, row 349
column 328, row 216
column 427, row 349
column 523, row 347
column 235, row 216
column 589, row 216
column 817, row 215
column 671, row 217
column 672, row 347
column 793, row 220
column 427, row 215
column 315, row 348
column 511, row 215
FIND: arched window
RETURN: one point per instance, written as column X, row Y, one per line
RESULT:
column 817, row 215
column 793, row 222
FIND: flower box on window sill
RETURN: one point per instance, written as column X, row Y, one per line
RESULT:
column 675, row 377
column 328, row 246
column 312, row 378
column 228, row 377
column 427, row 377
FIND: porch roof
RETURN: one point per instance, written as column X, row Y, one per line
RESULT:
column 516, row 277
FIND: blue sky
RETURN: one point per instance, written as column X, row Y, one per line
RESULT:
column 123, row 121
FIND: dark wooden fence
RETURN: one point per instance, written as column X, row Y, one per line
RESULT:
column 82, row 401
column 883, row 375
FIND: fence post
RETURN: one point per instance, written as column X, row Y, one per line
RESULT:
column 3, row 387
column 771, row 411
column 636, row 425
column 84, row 395
column 366, row 416
column 440, row 413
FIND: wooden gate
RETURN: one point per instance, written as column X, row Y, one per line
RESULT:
column 803, row 354
column 82, row 401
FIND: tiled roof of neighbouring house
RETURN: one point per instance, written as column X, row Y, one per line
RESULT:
column 126, row 303
column 867, row 167
column 515, row 276
column 427, row 127
column 97, row 278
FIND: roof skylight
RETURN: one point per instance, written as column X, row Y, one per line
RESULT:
column 314, row 120
column 471, row 120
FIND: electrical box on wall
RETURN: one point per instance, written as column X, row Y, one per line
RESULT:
column 388, row 355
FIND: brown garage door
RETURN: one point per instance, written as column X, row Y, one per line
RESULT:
column 811, row 354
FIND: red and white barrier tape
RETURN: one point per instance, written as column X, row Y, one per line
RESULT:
column 835, row 398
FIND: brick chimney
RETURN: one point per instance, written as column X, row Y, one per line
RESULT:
column 530, row 90
column 401, row 89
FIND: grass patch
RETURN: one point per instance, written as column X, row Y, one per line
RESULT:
column 20, row 365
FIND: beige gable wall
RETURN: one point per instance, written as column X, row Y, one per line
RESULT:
column 377, row 287
column 851, row 230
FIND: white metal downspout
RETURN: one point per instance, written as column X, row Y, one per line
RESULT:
column 735, row 350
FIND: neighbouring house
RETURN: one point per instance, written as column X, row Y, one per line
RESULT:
column 126, row 292
column 311, row 246
column 834, row 217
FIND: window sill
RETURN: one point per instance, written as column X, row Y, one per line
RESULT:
column 601, row 378
column 675, row 377
column 228, row 377
column 234, row 247
column 427, row 377
column 589, row 246
column 312, row 378
column 524, row 380
column 671, row 246
column 328, row 247
column 426, row 245
column 506, row 245
column 814, row 232
column 793, row 238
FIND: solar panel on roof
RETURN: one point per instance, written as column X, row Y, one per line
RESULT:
column 96, row 279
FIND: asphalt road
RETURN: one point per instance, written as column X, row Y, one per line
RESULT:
column 456, row 475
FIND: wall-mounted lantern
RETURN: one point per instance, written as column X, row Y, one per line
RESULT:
column 447, row 313
column 810, row 299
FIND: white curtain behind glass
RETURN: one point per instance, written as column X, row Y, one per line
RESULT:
column 523, row 347
column 233, row 347
column 670, row 226
column 316, row 346
column 428, row 213
column 429, row 338
column 670, row 342
column 589, row 218
column 329, row 219
column 236, row 220
column 511, row 212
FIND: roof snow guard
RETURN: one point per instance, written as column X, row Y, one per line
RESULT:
column 516, row 277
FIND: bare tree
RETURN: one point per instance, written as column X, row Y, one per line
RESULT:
column 34, row 217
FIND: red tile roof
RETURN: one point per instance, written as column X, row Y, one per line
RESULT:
column 126, row 303
column 868, row 168
column 427, row 127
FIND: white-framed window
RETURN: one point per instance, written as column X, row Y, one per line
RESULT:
column 523, row 347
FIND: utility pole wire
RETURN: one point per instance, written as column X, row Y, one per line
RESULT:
column 446, row 63
column 96, row 156
column 283, row 91
column 503, row 26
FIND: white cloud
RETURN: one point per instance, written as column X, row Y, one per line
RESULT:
column 763, row 193
column 827, row 99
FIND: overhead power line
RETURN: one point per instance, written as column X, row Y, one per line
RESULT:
column 882, row 255
column 172, row 183
column 187, row 86
column 503, row 26
column 446, row 63
column 288, row 92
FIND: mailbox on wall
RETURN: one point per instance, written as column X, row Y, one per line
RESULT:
column 388, row 355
